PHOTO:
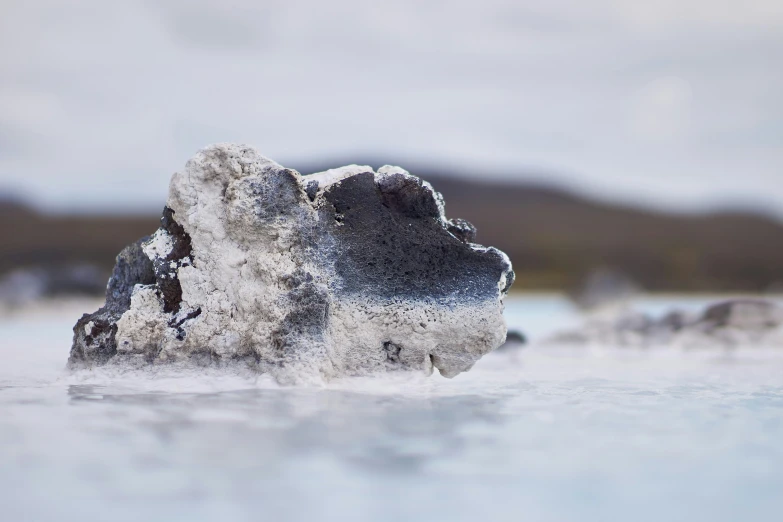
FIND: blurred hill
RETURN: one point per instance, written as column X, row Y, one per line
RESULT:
column 31, row 239
column 554, row 238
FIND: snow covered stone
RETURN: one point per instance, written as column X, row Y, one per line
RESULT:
column 344, row 272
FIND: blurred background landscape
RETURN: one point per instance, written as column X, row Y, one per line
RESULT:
column 556, row 240
column 643, row 141
column 626, row 154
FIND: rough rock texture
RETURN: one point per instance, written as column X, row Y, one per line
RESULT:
column 728, row 324
column 344, row 272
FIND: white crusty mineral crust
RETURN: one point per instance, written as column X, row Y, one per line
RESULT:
column 332, row 176
column 450, row 340
column 255, row 268
column 159, row 244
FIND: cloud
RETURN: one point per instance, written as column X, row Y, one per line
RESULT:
column 662, row 110
column 100, row 104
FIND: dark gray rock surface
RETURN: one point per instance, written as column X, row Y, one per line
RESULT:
column 515, row 340
column 94, row 336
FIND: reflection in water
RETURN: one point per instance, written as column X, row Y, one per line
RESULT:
column 377, row 433
column 555, row 437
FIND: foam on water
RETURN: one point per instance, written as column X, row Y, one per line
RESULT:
column 597, row 434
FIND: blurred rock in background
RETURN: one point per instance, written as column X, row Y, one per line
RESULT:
column 733, row 323
column 26, row 285
column 602, row 288
column 515, row 340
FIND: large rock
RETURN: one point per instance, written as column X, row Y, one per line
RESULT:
column 344, row 272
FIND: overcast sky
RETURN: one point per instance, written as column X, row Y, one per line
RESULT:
column 675, row 103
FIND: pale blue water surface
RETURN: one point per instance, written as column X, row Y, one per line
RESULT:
column 540, row 434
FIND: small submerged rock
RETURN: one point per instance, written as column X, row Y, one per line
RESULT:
column 732, row 323
column 515, row 340
column 344, row 272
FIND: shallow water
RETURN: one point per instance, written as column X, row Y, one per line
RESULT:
column 533, row 435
